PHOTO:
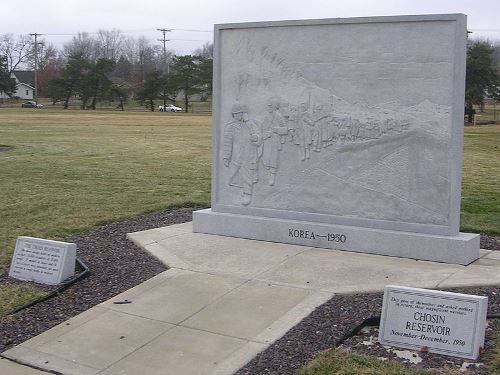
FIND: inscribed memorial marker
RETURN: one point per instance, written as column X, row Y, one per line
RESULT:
column 446, row 323
column 43, row 261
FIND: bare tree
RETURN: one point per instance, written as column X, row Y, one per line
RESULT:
column 130, row 49
column 206, row 51
column 83, row 45
column 16, row 50
column 47, row 53
column 109, row 44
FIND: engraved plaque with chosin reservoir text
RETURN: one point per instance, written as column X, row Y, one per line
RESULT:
column 439, row 322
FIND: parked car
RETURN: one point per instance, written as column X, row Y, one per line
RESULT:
column 31, row 104
column 170, row 108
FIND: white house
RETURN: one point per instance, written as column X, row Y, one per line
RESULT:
column 25, row 84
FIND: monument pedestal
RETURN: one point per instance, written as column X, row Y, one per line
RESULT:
column 460, row 249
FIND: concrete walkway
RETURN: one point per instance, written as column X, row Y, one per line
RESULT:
column 222, row 301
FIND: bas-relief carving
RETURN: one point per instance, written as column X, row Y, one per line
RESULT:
column 242, row 139
column 304, row 148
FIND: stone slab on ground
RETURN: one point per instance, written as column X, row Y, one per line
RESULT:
column 43, row 261
column 231, row 296
column 446, row 323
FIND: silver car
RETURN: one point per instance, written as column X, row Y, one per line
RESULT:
column 170, row 108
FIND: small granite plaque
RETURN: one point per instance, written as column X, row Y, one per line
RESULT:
column 43, row 261
column 440, row 322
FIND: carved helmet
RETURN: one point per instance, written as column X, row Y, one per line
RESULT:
column 239, row 108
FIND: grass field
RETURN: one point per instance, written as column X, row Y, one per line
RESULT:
column 481, row 180
column 73, row 170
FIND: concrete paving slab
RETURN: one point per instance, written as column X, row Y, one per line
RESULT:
column 239, row 358
column 474, row 275
column 65, row 327
column 142, row 288
column 331, row 270
column 11, row 368
column 487, row 262
column 49, row 362
column 247, row 311
column 223, row 255
column 293, row 316
column 186, row 227
column 103, row 340
column 154, row 235
column 179, row 351
column 177, row 297
column 495, row 255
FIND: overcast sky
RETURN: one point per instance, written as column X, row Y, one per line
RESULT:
column 192, row 21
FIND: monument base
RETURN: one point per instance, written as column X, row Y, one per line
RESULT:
column 460, row 249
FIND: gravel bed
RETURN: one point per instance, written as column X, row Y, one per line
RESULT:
column 490, row 242
column 116, row 265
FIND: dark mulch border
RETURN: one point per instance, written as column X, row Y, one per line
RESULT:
column 116, row 265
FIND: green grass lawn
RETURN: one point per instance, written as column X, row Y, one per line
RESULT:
column 480, row 210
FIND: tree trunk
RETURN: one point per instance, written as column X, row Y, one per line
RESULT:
column 66, row 102
column 470, row 112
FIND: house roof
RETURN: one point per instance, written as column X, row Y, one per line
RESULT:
column 25, row 76
column 25, row 85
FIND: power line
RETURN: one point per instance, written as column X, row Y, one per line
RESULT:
column 189, row 40
column 127, row 32
column 196, row 31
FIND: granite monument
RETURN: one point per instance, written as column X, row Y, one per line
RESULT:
column 341, row 133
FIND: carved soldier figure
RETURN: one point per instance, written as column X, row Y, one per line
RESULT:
column 242, row 140
column 355, row 129
column 305, row 131
column 320, row 131
column 274, row 131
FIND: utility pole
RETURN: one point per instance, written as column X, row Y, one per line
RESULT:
column 164, row 40
column 36, row 66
